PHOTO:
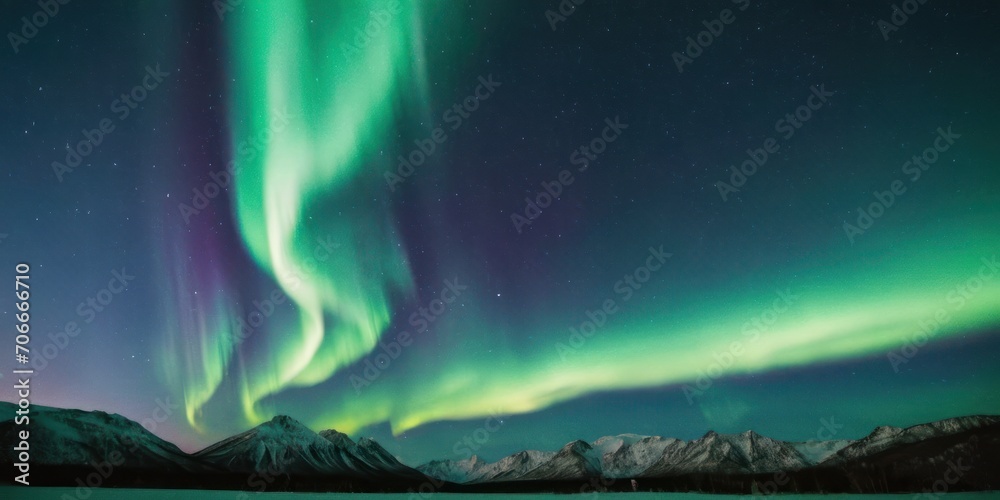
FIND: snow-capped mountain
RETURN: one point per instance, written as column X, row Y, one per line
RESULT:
column 83, row 438
column 278, row 454
column 575, row 461
column 476, row 470
column 817, row 451
column 629, row 455
column 611, row 444
column 370, row 453
column 747, row 452
column 67, row 443
column 512, row 467
column 886, row 437
column 285, row 446
column 461, row 471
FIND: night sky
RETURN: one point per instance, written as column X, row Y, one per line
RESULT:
column 396, row 218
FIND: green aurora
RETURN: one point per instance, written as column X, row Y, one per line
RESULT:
column 320, row 179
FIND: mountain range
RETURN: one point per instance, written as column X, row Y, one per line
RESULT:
column 282, row 454
column 633, row 456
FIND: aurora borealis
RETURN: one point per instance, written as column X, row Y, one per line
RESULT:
column 279, row 270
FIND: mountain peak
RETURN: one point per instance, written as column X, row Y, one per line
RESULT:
column 284, row 421
column 575, row 460
column 281, row 424
column 367, row 442
column 885, row 431
column 375, row 453
column 578, row 446
column 338, row 439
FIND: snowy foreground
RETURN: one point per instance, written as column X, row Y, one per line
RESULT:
column 18, row 493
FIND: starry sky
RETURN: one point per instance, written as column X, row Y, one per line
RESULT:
column 403, row 219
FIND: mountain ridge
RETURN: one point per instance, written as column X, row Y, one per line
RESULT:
column 67, row 443
column 636, row 456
